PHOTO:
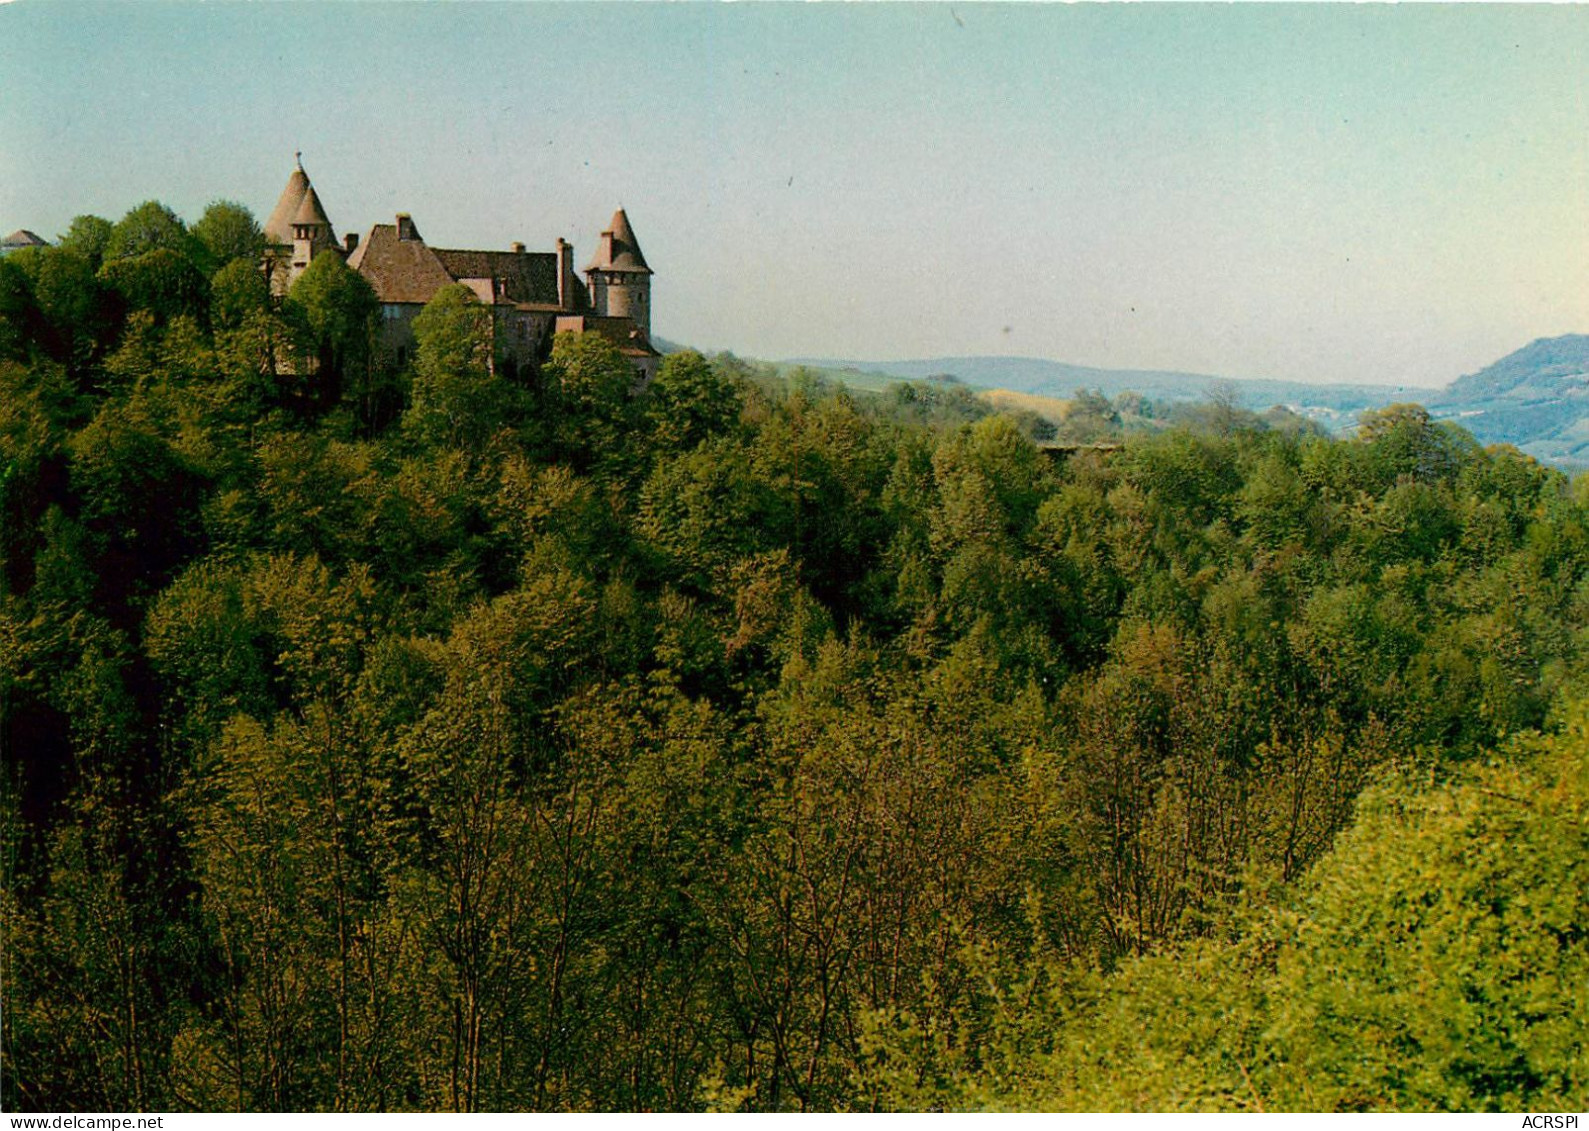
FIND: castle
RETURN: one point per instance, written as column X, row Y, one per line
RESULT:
column 532, row 295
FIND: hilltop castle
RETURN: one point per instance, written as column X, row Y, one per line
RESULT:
column 532, row 294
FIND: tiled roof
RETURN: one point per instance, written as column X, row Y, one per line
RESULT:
column 23, row 238
column 621, row 332
column 399, row 270
column 278, row 229
column 309, row 210
column 523, row 277
column 618, row 250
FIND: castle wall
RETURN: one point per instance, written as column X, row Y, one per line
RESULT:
column 395, row 338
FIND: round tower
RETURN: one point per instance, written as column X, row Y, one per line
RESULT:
column 297, row 231
column 311, row 232
column 278, row 228
column 620, row 281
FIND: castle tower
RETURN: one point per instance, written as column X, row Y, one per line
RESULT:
column 311, row 232
column 620, row 281
column 296, row 231
column 278, row 229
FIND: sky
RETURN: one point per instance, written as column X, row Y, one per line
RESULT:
column 1355, row 193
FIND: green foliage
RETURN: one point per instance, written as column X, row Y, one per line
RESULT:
column 137, row 498
column 332, row 310
column 19, row 313
column 690, row 401
column 161, row 281
column 237, row 291
column 88, row 237
column 229, row 232
column 72, row 312
column 151, row 226
column 595, row 406
column 1089, row 417
column 703, row 510
column 1433, row 961
column 458, row 400
column 459, row 740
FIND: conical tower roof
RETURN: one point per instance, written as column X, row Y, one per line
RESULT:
column 309, row 210
column 618, row 250
column 278, row 229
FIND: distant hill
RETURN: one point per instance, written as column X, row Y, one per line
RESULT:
column 1541, row 370
column 1536, row 398
column 1334, row 406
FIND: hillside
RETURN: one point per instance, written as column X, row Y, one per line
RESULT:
column 1007, row 400
column 1536, row 398
column 426, row 735
column 1334, row 406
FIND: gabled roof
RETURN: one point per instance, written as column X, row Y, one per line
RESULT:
column 618, row 250
column 278, row 229
column 399, row 270
column 23, row 238
column 523, row 277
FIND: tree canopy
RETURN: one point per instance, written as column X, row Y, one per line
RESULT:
column 454, row 736
column 151, row 226
column 229, row 232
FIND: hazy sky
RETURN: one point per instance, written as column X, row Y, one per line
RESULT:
column 1315, row 192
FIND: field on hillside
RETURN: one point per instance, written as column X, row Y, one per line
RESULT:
column 1007, row 400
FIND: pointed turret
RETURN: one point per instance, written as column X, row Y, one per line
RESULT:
column 298, row 230
column 309, row 212
column 620, row 281
column 618, row 250
column 278, row 229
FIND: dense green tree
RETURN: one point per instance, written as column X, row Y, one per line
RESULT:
column 237, row 291
column 1431, row 962
column 162, row 282
column 331, row 309
column 1089, row 417
column 1402, row 439
column 138, row 501
column 73, row 315
column 459, row 399
column 229, row 232
column 595, row 405
column 20, row 320
column 702, row 511
column 151, row 226
column 689, row 401
column 89, row 238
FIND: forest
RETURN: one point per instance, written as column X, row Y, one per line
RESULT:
column 415, row 738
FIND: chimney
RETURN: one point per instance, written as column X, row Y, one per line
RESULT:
column 516, row 248
column 565, row 274
column 405, row 227
column 350, row 242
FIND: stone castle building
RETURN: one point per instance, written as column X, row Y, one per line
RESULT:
column 532, row 295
